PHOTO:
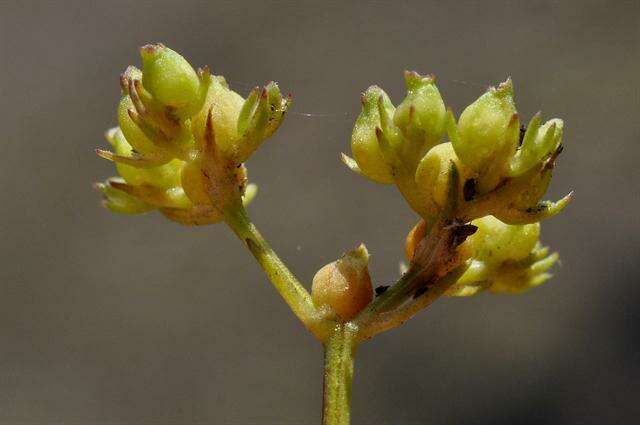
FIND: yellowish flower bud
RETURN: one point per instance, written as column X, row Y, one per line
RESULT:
column 344, row 285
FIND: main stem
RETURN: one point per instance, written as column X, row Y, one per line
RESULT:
column 339, row 351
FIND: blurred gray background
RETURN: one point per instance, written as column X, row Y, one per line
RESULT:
column 118, row 320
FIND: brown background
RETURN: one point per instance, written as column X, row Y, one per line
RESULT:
column 108, row 319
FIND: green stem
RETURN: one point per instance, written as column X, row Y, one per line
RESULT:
column 389, row 319
column 339, row 351
column 291, row 290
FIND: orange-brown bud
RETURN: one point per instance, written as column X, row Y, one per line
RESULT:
column 344, row 285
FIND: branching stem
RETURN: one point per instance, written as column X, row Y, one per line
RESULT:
column 291, row 290
column 386, row 320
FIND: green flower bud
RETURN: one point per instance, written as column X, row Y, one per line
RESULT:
column 488, row 133
column 371, row 149
column 344, row 285
column 168, row 76
column 421, row 116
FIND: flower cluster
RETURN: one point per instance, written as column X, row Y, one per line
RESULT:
column 182, row 139
column 503, row 169
column 500, row 171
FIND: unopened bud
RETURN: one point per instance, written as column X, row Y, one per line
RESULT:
column 344, row 285
column 377, row 110
column 168, row 76
column 421, row 116
column 488, row 130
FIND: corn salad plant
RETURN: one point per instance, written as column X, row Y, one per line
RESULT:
column 476, row 182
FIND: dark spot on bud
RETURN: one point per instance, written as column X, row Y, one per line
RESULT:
column 469, row 189
column 461, row 233
column 537, row 208
column 420, row 291
column 381, row 290
column 523, row 130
